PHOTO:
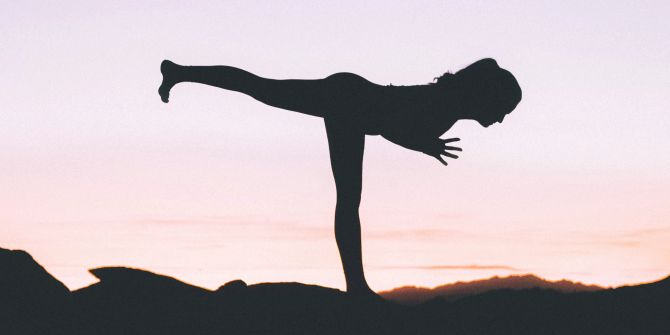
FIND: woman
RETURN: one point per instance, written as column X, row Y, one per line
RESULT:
column 411, row 116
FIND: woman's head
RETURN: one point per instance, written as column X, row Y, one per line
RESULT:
column 486, row 92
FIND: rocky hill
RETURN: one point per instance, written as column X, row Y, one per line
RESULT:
column 412, row 295
column 134, row 301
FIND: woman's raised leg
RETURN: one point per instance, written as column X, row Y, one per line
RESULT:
column 313, row 97
column 346, row 143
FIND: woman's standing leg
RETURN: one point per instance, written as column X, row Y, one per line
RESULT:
column 346, row 143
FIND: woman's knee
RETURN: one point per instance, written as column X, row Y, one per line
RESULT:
column 348, row 204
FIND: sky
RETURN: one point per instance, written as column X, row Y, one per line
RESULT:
column 96, row 171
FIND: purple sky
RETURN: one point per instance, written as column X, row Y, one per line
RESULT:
column 215, row 186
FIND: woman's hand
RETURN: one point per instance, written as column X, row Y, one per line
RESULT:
column 438, row 148
column 433, row 146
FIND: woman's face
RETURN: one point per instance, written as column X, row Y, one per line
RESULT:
column 488, row 121
column 487, row 114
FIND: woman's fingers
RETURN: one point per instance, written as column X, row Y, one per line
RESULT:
column 450, row 155
column 447, row 147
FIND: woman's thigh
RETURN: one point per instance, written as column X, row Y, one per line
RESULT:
column 303, row 96
column 335, row 95
column 346, row 143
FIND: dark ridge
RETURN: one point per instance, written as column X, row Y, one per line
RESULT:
column 134, row 301
column 412, row 295
column 31, row 300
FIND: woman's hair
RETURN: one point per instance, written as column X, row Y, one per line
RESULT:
column 484, row 83
column 443, row 79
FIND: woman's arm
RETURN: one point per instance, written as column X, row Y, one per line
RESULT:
column 432, row 146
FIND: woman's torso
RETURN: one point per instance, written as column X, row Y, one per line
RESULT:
column 378, row 109
column 412, row 109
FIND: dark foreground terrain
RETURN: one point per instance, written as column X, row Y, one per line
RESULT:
column 131, row 301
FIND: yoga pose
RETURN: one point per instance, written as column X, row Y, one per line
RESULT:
column 411, row 116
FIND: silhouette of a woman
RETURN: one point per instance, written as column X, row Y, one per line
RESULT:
column 411, row 116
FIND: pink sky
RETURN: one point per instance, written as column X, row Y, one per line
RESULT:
column 215, row 186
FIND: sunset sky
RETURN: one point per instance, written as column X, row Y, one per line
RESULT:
column 96, row 171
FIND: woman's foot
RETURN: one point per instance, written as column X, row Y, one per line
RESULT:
column 168, row 71
column 363, row 292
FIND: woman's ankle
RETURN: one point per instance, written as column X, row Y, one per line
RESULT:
column 359, row 288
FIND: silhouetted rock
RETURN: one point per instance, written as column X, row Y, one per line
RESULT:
column 133, row 301
column 412, row 295
column 232, row 287
column 23, row 280
column 641, row 309
column 31, row 300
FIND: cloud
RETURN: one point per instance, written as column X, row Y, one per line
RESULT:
column 426, row 233
column 624, row 243
column 206, row 220
column 649, row 232
column 626, row 239
column 452, row 267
